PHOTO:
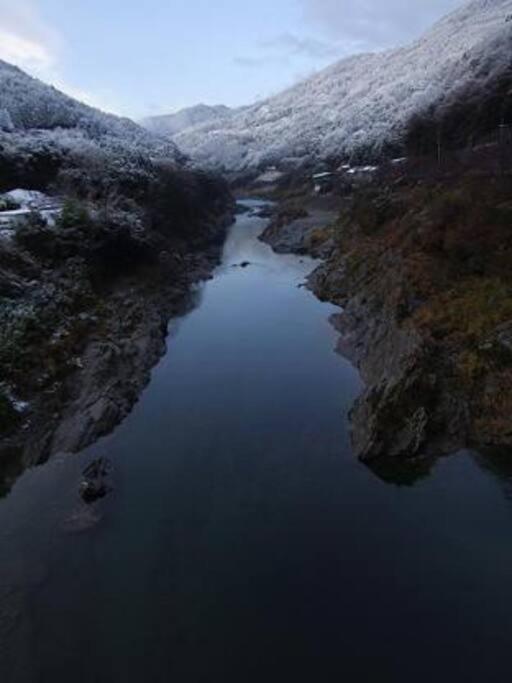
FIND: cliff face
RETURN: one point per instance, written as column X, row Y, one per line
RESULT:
column 422, row 274
column 421, row 271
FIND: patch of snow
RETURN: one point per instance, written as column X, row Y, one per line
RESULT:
column 26, row 198
column 357, row 170
column 28, row 201
column 322, row 176
column 7, row 216
column 18, row 405
column 270, row 176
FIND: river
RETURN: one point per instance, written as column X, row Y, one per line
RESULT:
column 243, row 541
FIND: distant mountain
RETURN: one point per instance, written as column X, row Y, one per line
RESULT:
column 37, row 119
column 362, row 106
column 171, row 124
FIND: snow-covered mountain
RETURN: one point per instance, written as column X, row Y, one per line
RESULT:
column 35, row 116
column 171, row 124
column 362, row 104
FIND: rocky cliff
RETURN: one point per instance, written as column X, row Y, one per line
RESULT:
column 420, row 268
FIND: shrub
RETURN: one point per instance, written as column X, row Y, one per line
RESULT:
column 74, row 215
column 179, row 200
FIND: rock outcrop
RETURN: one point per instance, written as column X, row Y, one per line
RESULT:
column 420, row 269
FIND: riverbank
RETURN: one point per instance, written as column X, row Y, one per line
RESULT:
column 420, row 269
column 85, row 306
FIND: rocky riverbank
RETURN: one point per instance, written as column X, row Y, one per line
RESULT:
column 85, row 304
column 421, row 271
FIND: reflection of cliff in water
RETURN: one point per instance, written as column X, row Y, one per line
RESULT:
column 100, row 395
column 11, row 467
column 402, row 472
column 497, row 462
column 408, row 473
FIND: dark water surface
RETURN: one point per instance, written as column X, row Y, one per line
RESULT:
column 243, row 542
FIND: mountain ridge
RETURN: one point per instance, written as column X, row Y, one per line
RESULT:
column 37, row 118
column 172, row 124
column 362, row 105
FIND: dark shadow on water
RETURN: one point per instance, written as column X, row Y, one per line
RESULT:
column 410, row 472
column 402, row 472
column 498, row 462
column 11, row 468
column 14, row 462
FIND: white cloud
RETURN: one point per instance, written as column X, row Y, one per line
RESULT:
column 287, row 49
column 25, row 38
column 262, row 61
column 374, row 23
column 24, row 52
column 293, row 45
column 28, row 41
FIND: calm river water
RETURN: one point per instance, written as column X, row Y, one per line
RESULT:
column 243, row 541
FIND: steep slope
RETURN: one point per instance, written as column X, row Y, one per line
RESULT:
column 363, row 105
column 172, row 124
column 43, row 127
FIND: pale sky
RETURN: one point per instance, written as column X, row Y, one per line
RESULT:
column 157, row 56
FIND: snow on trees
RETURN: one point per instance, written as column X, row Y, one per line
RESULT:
column 37, row 119
column 362, row 105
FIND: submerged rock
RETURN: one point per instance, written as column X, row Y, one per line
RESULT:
column 91, row 491
column 94, row 485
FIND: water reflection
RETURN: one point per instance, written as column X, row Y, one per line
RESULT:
column 409, row 473
column 497, row 461
column 402, row 472
column 37, row 447
column 11, row 468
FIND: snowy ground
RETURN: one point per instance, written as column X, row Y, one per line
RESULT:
column 27, row 201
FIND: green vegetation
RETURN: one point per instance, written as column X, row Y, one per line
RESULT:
column 74, row 215
column 37, row 338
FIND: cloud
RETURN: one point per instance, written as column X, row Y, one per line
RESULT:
column 29, row 42
column 375, row 24
column 293, row 45
column 25, row 39
column 263, row 60
column 286, row 48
